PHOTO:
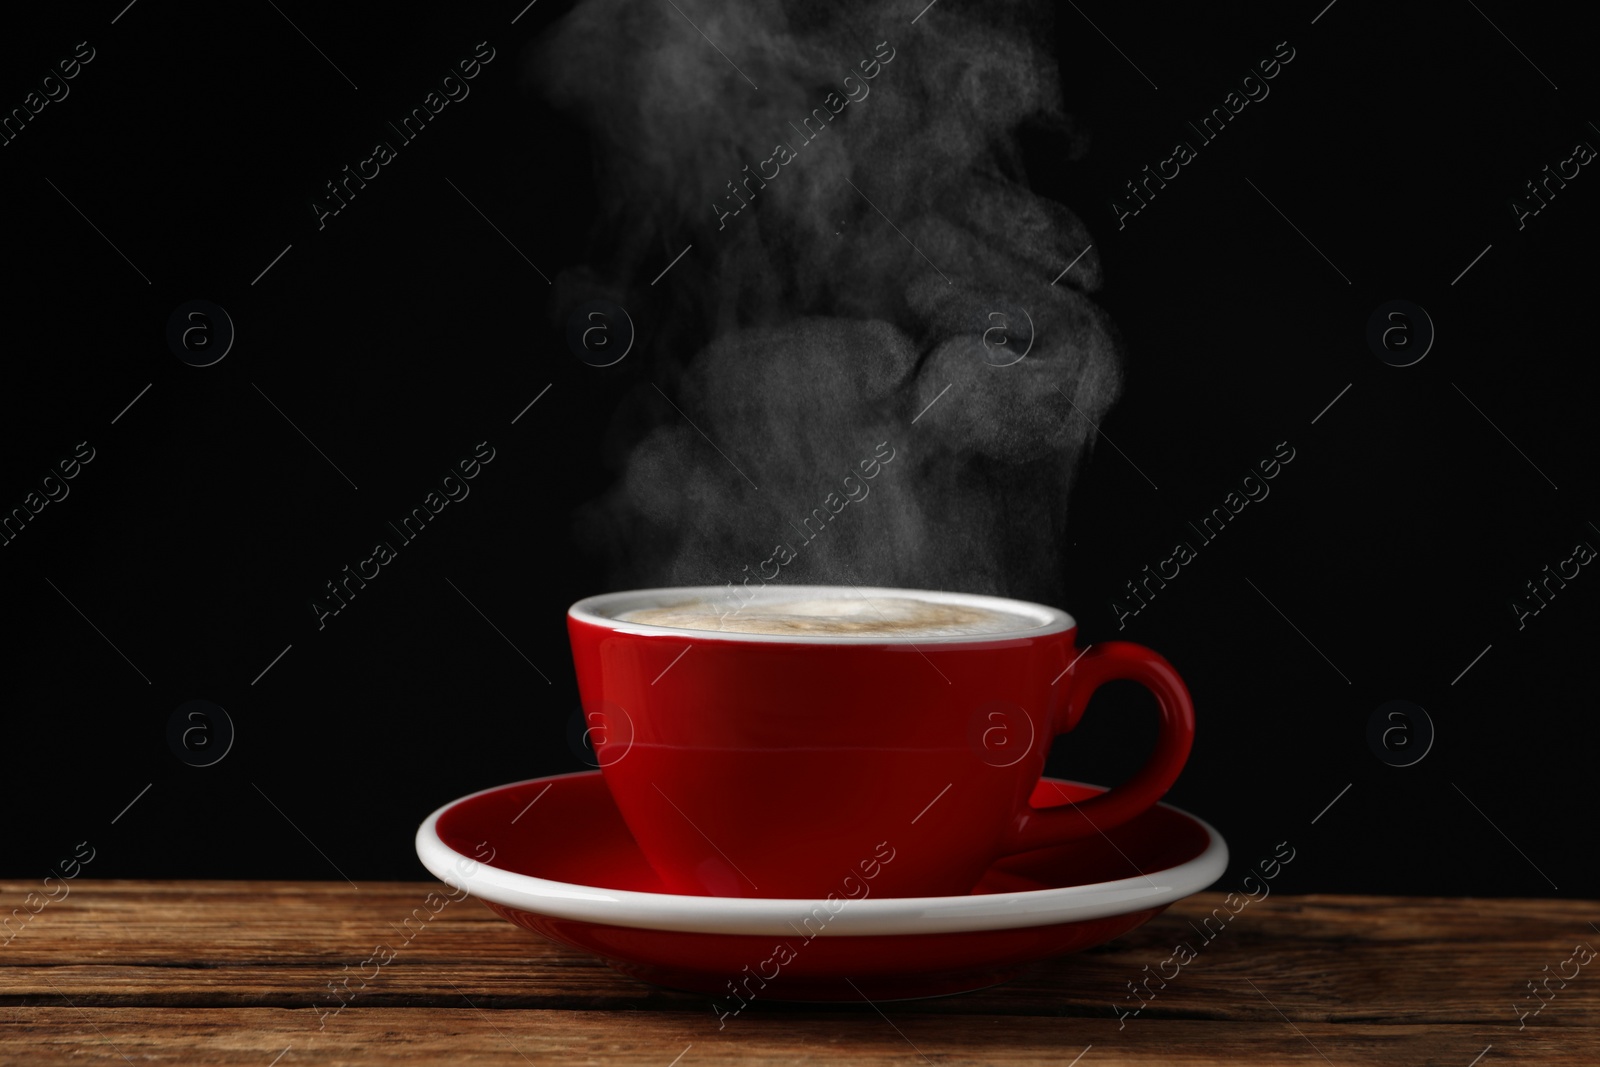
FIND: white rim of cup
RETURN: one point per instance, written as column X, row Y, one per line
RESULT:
column 601, row 610
column 866, row 917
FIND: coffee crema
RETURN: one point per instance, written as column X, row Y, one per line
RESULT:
column 890, row 616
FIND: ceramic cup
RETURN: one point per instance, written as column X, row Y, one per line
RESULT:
column 840, row 765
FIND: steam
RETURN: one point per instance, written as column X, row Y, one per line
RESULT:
column 804, row 332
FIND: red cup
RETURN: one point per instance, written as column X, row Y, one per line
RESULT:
column 840, row 766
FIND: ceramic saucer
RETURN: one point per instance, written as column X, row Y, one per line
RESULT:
column 552, row 855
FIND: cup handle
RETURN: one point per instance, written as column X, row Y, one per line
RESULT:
column 1105, row 662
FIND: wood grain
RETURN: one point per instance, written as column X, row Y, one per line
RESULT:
column 519, row 1037
column 235, row 972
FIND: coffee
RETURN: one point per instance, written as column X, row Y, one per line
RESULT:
column 887, row 616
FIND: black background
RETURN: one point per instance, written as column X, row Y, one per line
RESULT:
column 408, row 330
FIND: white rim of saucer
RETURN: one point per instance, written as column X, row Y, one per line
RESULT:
column 865, row 917
column 602, row 610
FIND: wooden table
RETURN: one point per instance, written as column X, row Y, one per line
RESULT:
column 238, row 973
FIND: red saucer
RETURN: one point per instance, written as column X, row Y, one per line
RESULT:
column 564, row 865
